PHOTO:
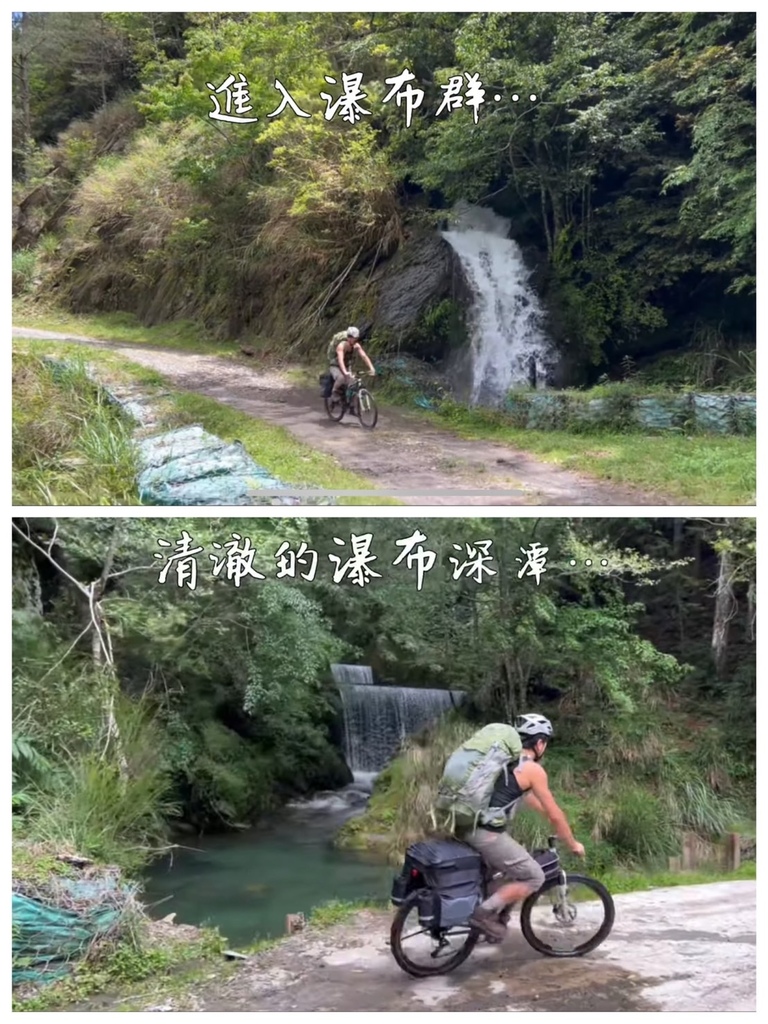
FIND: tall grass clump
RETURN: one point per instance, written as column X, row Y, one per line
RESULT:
column 23, row 270
column 70, row 446
column 111, row 806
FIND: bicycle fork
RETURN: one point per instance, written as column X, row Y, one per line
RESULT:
column 564, row 911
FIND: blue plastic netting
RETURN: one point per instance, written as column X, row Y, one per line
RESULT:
column 47, row 938
column 668, row 412
column 745, row 413
column 189, row 466
column 543, row 411
column 713, row 413
column 719, row 414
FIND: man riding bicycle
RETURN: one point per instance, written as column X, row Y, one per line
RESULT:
column 527, row 783
column 342, row 350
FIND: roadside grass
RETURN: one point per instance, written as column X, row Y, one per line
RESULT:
column 325, row 915
column 178, row 334
column 133, row 976
column 695, row 469
column 271, row 446
column 69, row 445
column 620, row 880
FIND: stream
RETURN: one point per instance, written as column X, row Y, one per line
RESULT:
column 246, row 882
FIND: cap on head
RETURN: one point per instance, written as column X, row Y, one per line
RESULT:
column 352, row 332
column 534, row 725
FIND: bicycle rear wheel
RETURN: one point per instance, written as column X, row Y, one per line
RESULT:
column 335, row 409
column 432, row 952
column 551, row 918
column 367, row 411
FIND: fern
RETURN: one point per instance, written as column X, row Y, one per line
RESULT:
column 26, row 759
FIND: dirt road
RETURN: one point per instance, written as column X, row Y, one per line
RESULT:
column 402, row 456
column 684, row 948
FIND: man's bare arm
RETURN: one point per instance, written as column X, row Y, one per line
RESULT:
column 537, row 778
column 340, row 357
column 364, row 355
column 535, row 805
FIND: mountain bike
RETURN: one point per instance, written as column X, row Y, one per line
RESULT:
column 356, row 400
column 441, row 883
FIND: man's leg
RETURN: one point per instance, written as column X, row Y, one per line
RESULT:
column 339, row 381
column 521, row 876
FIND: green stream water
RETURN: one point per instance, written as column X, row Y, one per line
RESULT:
column 246, row 882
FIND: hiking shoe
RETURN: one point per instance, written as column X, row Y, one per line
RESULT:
column 487, row 921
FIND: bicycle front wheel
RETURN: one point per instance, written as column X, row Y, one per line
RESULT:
column 568, row 920
column 369, row 414
column 424, row 952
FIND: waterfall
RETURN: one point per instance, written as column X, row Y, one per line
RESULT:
column 352, row 675
column 508, row 345
column 378, row 718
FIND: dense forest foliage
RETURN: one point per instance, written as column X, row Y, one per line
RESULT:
column 629, row 179
column 164, row 673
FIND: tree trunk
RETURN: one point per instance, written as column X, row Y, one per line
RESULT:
column 678, row 526
column 545, row 218
column 724, row 607
column 751, row 607
column 102, row 655
column 26, row 109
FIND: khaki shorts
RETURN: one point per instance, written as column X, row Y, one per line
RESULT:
column 339, row 379
column 502, row 854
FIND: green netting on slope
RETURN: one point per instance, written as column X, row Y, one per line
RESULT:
column 547, row 411
column 189, row 466
column 669, row 412
column 49, row 936
column 593, row 412
column 713, row 413
column 719, row 414
column 745, row 413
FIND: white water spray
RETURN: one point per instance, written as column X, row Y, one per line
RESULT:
column 509, row 346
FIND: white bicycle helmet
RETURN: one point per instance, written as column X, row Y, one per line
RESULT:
column 353, row 332
column 534, row 725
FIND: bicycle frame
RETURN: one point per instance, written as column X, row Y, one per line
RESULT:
column 352, row 391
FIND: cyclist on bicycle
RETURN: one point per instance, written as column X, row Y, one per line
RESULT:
column 342, row 350
column 527, row 783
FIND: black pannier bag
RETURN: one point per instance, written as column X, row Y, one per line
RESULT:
column 326, row 384
column 453, row 874
column 548, row 861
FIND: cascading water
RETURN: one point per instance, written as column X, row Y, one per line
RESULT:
column 378, row 718
column 352, row 675
column 509, row 346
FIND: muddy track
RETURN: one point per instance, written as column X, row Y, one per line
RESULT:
column 419, row 463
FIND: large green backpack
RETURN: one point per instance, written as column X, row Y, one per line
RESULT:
column 470, row 774
column 333, row 344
